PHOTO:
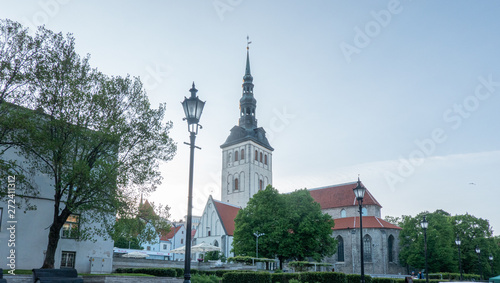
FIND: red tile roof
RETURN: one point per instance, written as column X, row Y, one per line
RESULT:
column 193, row 231
column 340, row 196
column 368, row 222
column 170, row 234
column 227, row 213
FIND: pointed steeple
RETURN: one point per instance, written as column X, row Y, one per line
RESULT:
column 247, row 101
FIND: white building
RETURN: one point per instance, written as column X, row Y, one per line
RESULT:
column 32, row 229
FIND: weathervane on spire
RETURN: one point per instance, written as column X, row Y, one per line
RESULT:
column 248, row 42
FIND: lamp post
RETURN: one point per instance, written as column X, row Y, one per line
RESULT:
column 424, row 224
column 257, row 234
column 478, row 251
column 359, row 192
column 491, row 264
column 458, row 242
column 193, row 107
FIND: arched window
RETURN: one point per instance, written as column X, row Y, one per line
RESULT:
column 340, row 248
column 261, row 157
column 367, row 248
column 256, row 156
column 242, row 154
column 343, row 213
column 216, row 244
column 390, row 248
column 236, row 156
column 236, row 184
column 265, row 159
column 364, row 212
column 261, row 185
column 229, row 157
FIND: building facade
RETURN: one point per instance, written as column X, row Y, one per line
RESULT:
column 380, row 238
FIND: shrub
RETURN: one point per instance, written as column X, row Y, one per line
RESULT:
column 283, row 277
column 198, row 278
column 247, row 277
column 323, row 277
column 356, row 278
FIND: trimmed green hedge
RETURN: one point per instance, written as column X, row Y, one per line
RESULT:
column 323, row 277
column 356, row 278
column 247, row 277
column 284, row 277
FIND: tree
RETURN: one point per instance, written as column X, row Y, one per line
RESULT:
column 293, row 224
column 442, row 250
column 147, row 224
column 96, row 137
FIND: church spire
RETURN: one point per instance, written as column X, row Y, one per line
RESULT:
column 247, row 101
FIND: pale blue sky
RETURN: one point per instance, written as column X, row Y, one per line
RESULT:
column 329, row 114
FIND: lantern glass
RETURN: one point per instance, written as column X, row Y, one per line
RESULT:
column 359, row 191
column 424, row 224
column 478, row 250
column 457, row 241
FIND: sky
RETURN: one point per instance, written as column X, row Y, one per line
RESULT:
column 404, row 93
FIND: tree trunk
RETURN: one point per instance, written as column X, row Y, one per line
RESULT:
column 54, row 235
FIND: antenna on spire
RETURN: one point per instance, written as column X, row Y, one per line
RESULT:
column 248, row 42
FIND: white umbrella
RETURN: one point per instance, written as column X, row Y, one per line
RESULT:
column 200, row 248
column 135, row 255
column 204, row 247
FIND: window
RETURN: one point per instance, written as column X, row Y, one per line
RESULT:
column 242, row 154
column 182, row 241
column 236, row 184
column 208, row 233
column 390, row 248
column 70, row 229
column 261, row 157
column 256, row 156
column 216, row 244
column 343, row 213
column 1, row 213
column 148, row 248
column 340, row 248
column 236, row 156
column 364, row 212
column 261, row 185
column 265, row 159
column 367, row 248
column 164, row 246
column 68, row 259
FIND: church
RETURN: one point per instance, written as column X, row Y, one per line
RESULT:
column 247, row 169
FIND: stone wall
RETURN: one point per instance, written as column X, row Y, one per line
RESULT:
column 121, row 262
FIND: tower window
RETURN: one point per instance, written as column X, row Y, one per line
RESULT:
column 236, row 184
column 242, row 154
column 236, row 156
column 256, row 156
column 265, row 159
column 261, row 185
column 261, row 157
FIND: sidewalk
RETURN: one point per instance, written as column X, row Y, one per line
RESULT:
column 101, row 279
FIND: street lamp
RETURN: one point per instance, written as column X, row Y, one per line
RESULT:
column 257, row 234
column 359, row 192
column 491, row 263
column 424, row 224
column 458, row 242
column 193, row 107
column 478, row 252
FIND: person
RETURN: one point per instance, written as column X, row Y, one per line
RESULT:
column 413, row 274
column 420, row 275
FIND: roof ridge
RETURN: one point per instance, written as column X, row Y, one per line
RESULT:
column 331, row 186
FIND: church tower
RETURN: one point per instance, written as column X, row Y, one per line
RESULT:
column 246, row 154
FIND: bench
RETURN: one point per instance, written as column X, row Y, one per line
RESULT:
column 68, row 275
column 2, row 280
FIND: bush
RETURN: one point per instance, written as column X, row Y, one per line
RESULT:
column 323, row 277
column 356, row 278
column 284, row 277
column 382, row 280
column 247, row 277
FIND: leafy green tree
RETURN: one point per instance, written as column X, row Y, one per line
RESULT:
column 440, row 249
column 475, row 232
column 293, row 224
column 96, row 137
column 146, row 225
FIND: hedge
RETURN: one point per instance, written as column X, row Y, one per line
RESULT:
column 283, row 277
column 324, row 277
column 356, row 278
column 247, row 277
